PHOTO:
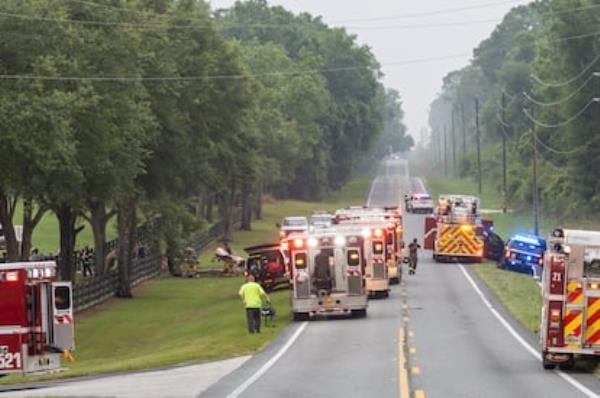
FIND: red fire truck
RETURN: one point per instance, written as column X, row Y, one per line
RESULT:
column 36, row 318
column 570, row 323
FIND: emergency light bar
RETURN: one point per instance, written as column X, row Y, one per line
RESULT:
column 527, row 239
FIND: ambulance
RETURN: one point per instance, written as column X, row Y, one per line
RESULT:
column 389, row 222
column 326, row 270
column 570, row 321
column 36, row 318
column 455, row 232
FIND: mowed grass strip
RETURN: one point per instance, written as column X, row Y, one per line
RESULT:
column 518, row 292
column 177, row 320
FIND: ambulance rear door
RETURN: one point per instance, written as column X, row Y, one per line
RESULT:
column 62, row 307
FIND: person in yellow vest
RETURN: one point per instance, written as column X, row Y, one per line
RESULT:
column 252, row 295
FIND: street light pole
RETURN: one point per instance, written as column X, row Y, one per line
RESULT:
column 536, row 220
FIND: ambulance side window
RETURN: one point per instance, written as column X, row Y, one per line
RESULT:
column 62, row 298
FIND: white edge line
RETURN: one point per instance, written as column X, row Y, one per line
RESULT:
column 263, row 369
column 371, row 191
column 586, row 391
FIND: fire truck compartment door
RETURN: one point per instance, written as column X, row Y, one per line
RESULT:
column 62, row 315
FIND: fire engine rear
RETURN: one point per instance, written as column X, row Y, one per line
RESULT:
column 570, row 321
column 456, row 230
column 326, row 271
column 36, row 318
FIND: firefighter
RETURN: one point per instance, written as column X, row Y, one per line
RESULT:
column 413, row 249
column 322, row 274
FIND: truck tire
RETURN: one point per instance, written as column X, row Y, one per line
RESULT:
column 300, row 316
column 548, row 365
column 359, row 313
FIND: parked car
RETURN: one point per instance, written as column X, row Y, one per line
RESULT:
column 419, row 203
column 291, row 225
column 321, row 220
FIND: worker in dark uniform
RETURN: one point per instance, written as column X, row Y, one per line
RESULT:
column 413, row 249
column 322, row 274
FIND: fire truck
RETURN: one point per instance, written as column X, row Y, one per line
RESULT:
column 36, row 318
column 570, row 321
column 456, row 229
column 326, row 272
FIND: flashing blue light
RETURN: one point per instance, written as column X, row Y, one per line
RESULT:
column 528, row 258
column 527, row 239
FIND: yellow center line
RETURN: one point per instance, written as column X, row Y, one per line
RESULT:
column 403, row 386
column 415, row 370
column 419, row 394
column 413, row 350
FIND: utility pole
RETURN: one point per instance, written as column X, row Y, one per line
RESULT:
column 445, row 151
column 464, row 128
column 504, row 196
column 536, row 220
column 453, row 145
column 478, row 146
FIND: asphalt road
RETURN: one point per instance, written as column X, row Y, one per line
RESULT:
column 459, row 342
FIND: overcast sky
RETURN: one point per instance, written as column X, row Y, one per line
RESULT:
column 383, row 25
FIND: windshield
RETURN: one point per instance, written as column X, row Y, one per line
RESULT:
column 294, row 222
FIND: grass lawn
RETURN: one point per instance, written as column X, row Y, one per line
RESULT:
column 175, row 320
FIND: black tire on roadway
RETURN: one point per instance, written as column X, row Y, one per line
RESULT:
column 359, row 313
column 300, row 316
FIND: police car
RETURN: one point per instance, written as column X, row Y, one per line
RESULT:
column 524, row 253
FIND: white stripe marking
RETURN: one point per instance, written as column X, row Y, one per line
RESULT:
column 586, row 391
column 263, row 369
column 372, row 190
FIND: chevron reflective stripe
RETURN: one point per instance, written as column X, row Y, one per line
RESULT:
column 455, row 240
column 572, row 324
column 574, row 293
column 592, row 333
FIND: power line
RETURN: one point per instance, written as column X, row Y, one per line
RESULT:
column 219, row 77
column 563, row 123
column 570, row 80
column 162, row 25
column 565, row 98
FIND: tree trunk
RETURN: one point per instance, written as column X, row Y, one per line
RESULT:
column 228, row 214
column 258, row 213
column 98, row 220
column 66, row 221
column 246, row 216
column 126, row 225
column 6, row 219
column 210, row 200
column 30, row 221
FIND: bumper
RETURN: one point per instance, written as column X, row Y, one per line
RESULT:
column 333, row 305
column 518, row 266
column 377, row 285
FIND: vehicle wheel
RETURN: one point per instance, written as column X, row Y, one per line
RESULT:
column 548, row 365
column 385, row 294
column 567, row 365
column 300, row 316
column 359, row 313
